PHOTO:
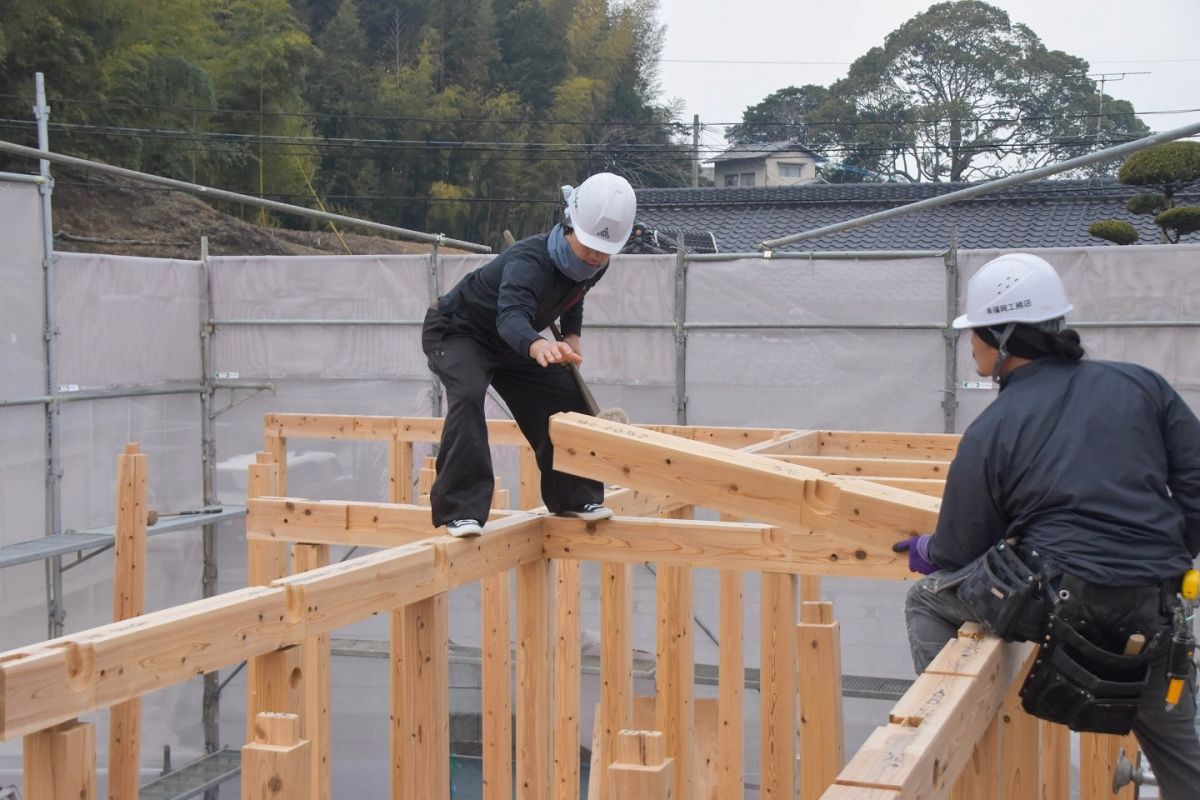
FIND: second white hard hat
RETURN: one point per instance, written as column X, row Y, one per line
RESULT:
column 601, row 211
column 1016, row 287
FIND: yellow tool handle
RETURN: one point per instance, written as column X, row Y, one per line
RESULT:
column 1190, row 589
column 1174, row 691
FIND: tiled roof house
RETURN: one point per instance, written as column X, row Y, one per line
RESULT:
column 1047, row 213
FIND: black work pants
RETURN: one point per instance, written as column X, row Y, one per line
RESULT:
column 467, row 362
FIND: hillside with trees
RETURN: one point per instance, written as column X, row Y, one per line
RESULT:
column 457, row 116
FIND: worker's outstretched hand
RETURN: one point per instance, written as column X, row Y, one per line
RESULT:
column 546, row 352
column 917, row 548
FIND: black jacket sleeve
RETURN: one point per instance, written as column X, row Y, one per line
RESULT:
column 969, row 521
column 1181, row 434
column 523, row 283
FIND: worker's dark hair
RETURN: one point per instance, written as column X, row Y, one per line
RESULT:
column 1029, row 342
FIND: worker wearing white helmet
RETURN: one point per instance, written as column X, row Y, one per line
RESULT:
column 1070, row 517
column 486, row 332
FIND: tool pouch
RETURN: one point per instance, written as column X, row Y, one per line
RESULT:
column 1083, row 686
column 1007, row 595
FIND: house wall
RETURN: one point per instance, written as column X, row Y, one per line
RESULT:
column 767, row 171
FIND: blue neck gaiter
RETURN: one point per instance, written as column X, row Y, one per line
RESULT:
column 565, row 259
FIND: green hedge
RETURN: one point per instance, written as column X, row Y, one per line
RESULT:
column 1172, row 164
column 1114, row 230
column 1147, row 203
column 1182, row 220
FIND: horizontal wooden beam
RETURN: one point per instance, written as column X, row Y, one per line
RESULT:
column 883, row 467
column 744, row 485
column 64, row 678
column 931, row 730
column 292, row 519
column 733, row 438
column 716, row 545
column 408, row 429
column 878, row 444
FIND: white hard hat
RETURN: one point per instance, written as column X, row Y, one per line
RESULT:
column 1017, row 287
column 601, row 211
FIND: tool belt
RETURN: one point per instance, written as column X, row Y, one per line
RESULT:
column 1093, row 663
column 1009, row 596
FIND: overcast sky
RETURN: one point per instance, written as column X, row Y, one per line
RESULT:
column 720, row 57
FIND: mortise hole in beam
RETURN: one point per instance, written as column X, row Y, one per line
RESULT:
column 295, row 678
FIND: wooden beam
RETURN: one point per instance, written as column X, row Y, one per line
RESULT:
column 877, row 444
column 289, row 519
column 316, row 689
column 59, row 763
column 408, row 429
column 1056, row 761
column 818, row 649
column 922, row 751
column 675, row 669
column 642, row 770
column 930, row 487
column 496, row 687
column 778, row 723
column 129, row 600
column 616, row 665
column 275, row 763
column 731, row 685
column 535, row 676
column 732, row 438
column 421, row 701
column 750, row 486
column 567, row 679
column 881, row 467
column 531, row 479
column 400, row 470
column 718, row 545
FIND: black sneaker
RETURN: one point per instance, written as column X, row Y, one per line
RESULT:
column 588, row 512
column 464, row 527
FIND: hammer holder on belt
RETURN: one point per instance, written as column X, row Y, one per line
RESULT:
column 1012, row 599
column 1094, row 663
column 1082, row 686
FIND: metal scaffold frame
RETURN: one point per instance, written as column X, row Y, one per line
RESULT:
column 57, row 542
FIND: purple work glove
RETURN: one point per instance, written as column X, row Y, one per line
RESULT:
column 918, row 553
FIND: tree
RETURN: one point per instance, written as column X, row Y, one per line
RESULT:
column 958, row 92
column 1168, row 168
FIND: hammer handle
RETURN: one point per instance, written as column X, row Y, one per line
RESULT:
column 588, row 400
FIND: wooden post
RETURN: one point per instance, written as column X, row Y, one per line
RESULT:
column 822, row 752
column 531, row 480
column 425, row 480
column 275, row 765
column 129, row 600
column 732, row 681
column 317, row 682
column 676, row 668
column 642, row 769
column 616, row 668
column 273, row 680
column 1098, row 754
column 567, row 680
column 1020, row 747
column 496, row 688
column 60, row 762
column 535, row 677
column 421, row 701
column 777, row 712
column 400, row 465
column 1056, row 756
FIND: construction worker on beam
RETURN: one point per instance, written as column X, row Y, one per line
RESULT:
column 1071, row 518
column 485, row 331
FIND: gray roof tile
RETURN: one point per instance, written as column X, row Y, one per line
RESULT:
column 1051, row 213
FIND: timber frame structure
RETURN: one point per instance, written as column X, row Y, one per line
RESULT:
column 822, row 503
